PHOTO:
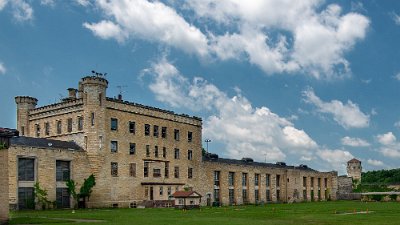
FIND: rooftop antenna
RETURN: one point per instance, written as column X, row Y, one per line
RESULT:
column 121, row 87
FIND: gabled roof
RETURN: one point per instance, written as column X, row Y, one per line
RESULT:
column 186, row 194
column 354, row 160
column 44, row 143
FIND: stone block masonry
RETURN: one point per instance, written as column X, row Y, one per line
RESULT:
column 4, row 206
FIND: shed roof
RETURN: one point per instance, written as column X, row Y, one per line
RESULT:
column 44, row 143
column 186, row 194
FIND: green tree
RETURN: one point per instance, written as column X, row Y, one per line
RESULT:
column 85, row 190
column 41, row 196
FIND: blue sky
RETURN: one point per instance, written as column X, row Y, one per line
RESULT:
column 305, row 82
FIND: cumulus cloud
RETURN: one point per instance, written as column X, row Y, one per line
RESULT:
column 374, row 162
column 337, row 158
column 278, row 36
column 3, row 69
column 390, row 147
column 153, row 21
column 246, row 131
column 354, row 142
column 397, row 76
column 48, row 2
column 83, row 2
column 22, row 11
column 396, row 18
column 348, row 115
column 3, row 3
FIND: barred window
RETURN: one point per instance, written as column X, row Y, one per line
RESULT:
column 63, row 171
column 114, row 169
column 80, row 123
column 190, row 154
column 164, row 132
column 114, row 124
column 190, row 173
column 132, row 127
column 190, row 136
column 132, row 148
column 176, row 172
column 147, row 129
column 176, row 155
column 114, row 146
column 69, row 124
column 155, row 131
column 176, row 135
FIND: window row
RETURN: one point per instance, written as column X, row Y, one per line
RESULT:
column 26, row 198
column 59, row 126
column 156, row 151
column 146, row 170
column 157, row 132
column 245, row 179
column 150, row 190
column 26, row 170
column 312, row 182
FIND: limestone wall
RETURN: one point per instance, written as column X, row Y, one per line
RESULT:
column 4, row 186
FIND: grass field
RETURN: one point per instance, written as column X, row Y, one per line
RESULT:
column 340, row 212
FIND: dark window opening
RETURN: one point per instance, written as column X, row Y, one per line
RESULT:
column 176, row 135
column 114, row 124
column 26, row 169
column 163, row 132
column 147, row 129
column 114, row 146
column 132, row 127
column 155, row 131
column 190, row 136
column 132, row 148
column 69, row 124
column 63, row 171
column 114, row 169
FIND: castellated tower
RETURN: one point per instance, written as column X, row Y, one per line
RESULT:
column 24, row 105
column 93, row 91
column 354, row 169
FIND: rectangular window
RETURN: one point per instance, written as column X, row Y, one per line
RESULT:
column 256, row 179
column 114, row 124
column 156, row 172
column 169, row 191
column 319, row 182
column 176, row 135
column 268, row 194
column 304, row 181
column 59, row 127
column 278, row 180
column 190, row 173
column 155, row 131
column 312, row 181
column 92, row 118
column 156, row 151
column 63, row 171
column 305, row 194
column 190, row 136
column 231, row 178
column 114, row 169
column 278, row 195
column 80, row 123
column 132, row 148
column 166, row 170
column 26, row 169
column 176, row 153
column 256, row 195
column 190, row 154
column 147, row 130
column 47, row 128
column 231, row 196
column 37, row 129
column 216, row 195
column 69, row 124
column 267, row 180
column 23, row 130
column 244, row 179
column 164, row 132
column 161, row 190
column 146, row 191
column 244, row 196
column 26, row 198
column 114, row 146
column 164, row 152
column 132, row 169
column 63, row 198
column 216, row 178
column 176, row 172
column 326, row 182
column 132, row 127
column 146, row 169
column 147, row 150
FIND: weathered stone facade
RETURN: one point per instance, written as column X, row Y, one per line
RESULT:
column 4, row 186
column 140, row 153
column 354, row 169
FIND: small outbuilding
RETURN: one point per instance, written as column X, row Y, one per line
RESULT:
column 187, row 199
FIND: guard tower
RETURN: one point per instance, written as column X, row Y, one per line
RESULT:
column 354, row 169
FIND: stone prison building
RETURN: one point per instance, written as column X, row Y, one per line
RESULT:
column 139, row 155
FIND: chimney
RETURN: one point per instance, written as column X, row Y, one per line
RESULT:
column 120, row 97
column 72, row 93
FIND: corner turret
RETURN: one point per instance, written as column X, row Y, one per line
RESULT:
column 24, row 105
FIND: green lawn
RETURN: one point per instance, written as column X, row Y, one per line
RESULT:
column 340, row 212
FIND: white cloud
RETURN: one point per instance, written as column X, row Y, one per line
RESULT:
column 396, row 18
column 347, row 115
column 374, row 162
column 390, row 147
column 336, row 158
column 48, row 2
column 22, row 11
column 397, row 124
column 354, row 142
column 387, row 139
column 3, row 3
column 397, row 76
column 3, row 69
column 278, row 36
column 245, row 130
column 84, row 3
column 153, row 21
